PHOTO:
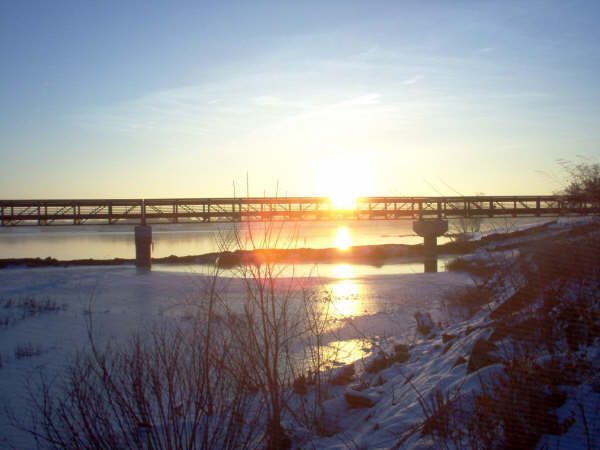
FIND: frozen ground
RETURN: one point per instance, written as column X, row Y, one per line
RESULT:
column 123, row 300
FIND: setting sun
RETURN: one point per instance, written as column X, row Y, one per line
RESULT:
column 344, row 178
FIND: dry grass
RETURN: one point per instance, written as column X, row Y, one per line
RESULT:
column 27, row 350
column 24, row 308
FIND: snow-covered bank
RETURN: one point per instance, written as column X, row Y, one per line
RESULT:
column 522, row 372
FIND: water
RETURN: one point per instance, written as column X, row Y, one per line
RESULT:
column 106, row 242
column 116, row 241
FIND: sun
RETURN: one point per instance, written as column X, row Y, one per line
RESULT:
column 343, row 179
column 343, row 200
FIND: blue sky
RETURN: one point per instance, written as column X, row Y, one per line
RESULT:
column 159, row 99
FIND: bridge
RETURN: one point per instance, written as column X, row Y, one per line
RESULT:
column 175, row 210
column 430, row 214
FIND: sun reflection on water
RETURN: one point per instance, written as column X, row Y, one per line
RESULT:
column 347, row 300
column 343, row 238
column 345, row 292
column 346, row 351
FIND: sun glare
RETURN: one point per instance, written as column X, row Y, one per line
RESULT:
column 343, row 200
column 343, row 239
column 343, row 179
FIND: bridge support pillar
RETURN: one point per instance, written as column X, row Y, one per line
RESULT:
column 430, row 229
column 143, row 246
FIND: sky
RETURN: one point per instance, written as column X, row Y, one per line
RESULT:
column 202, row 99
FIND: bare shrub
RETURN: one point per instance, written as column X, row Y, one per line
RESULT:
column 222, row 379
column 477, row 267
column 468, row 300
column 555, row 295
column 517, row 408
column 466, row 225
column 157, row 392
column 583, row 180
column 441, row 412
column 552, row 312
column 317, row 356
column 279, row 333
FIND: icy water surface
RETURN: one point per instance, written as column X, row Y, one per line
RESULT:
column 116, row 241
column 122, row 300
column 103, row 241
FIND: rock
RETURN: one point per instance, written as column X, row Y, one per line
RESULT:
column 357, row 399
column 482, row 355
column 469, row 330
column 379, row 381
column 342, row 375
column 424, row 323
column 460, row 360
column 401, row 353
column 377, row 364
column 447, row 337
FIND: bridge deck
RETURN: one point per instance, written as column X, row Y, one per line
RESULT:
column 112, row 211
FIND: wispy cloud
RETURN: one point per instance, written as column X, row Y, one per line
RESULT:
column 484, row 50
column 412, row 80
column 374, row 87
column 235, row 106
column 191, row 110
column 363, row 100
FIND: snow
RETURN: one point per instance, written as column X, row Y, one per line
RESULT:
column 397, row 408
column 123, row 300
column 380, row 307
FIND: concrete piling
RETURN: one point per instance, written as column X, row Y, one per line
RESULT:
column 430, row 229
column 143, row 246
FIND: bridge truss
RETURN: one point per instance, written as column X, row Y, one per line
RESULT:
column 176, row 210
